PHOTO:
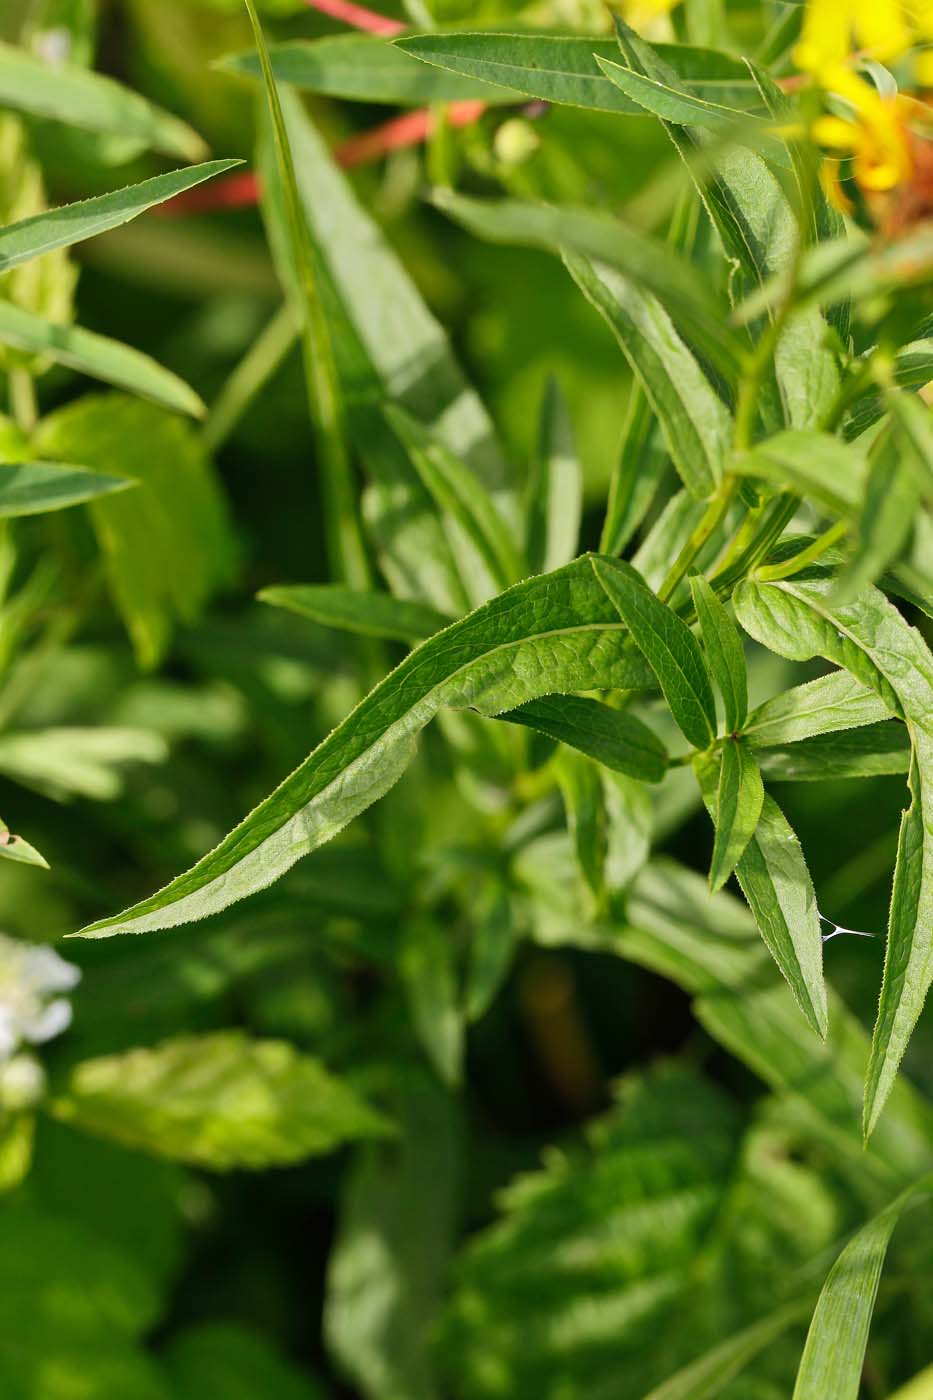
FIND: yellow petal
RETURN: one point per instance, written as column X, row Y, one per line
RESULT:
column 880, row 28
column 837, row 134
column 824, row 39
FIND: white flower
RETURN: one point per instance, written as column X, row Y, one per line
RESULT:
column 22, row 1083
column 30, row 1011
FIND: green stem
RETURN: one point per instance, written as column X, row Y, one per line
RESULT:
column 712, row 517
column 806, row 556
column 23, row 404
column 778, row 515
column 245, row 381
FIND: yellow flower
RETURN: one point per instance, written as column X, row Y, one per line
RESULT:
column 880, row 29
column 875, row 135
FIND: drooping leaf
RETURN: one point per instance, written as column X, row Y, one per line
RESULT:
column 668, row 646
column 724, row 652
column 219, row 1100
column 565, row 70
column 31, row 488
column 72, row 223
column 365, row 68
column 371, row 614
column 695, row 422
column 835, row 1348
column 554, row 633
column 615, row 739
column 872, row 640
column 97, row 356
column 166, row 545
column 93, row 102
column 774, row 878
column 555, row 488
column 739, row 801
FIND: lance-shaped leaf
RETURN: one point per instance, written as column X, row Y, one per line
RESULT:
column 871, row 639
column 774, row 878
column 554, row 633
column 707, row 1375
column 585, row 805
column 724, row 652
column 91, row 101
column 13, row 847
column 365, row 68
column 371, row 614
column 913, row 431
column 739, row 799
column 429, row 976
column 678, row 104
column 219, row 1100
column 615, row 739
column 555, row 488
column 811, row 463
column 669, row 647
column 637, row 476
column 824, row 706
column 97, row 356
column 72, row 223
column 868, row 752
column 835, row 1347
column 651, row 266
column 31, row 488
column 885, row 519
column 566, row 70
column 695, row 422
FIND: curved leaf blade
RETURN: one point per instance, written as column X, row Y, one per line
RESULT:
column 615, row 739
column 738, row 806
column 370, row 614
column 724, row 650
column 32, row 488
column 553, row 633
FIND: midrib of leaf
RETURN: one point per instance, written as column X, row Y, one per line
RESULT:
column 367, row 753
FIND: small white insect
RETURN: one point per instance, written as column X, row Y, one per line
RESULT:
column 838, row 928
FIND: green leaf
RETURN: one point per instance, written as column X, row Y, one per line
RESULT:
column 774, row 878
column 885, row 519
column 675, row 104
column 554, row 633
column 387, row 1272
column 868, row 752
column 649, row 265
column 669, row 647
column 835, row 1348
column 72, row 223
column 738, row 807
column 81, row 98
column 429, row 976
column 167, row 545
column 695, row 422
column 371, row 614
column 585, row 806
column 823, row 706
column 724, row 653
column 493, row 940
column 68, row 761
column 566, row 70
column 814, row 464
column 13, row 847
column 919, row 1387
column 31, row 488
column 613, row 738
column 97, row 356
column 219, row 1100
column 555, row 488
column 363, row 68
column 367, row 288
column 871, row 639
column 913, row 431
column 637, row 475
column 468, row 512
column 711, row 1372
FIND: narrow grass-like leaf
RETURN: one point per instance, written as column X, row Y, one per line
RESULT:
column 706, row 1376
column 669, row 647
column 723, row 651
column 365, row 68
column 31, row 488
column 830, row 703
column 835, row 1348
column 871, row 639
column 696, row 424
column 919, row 1387
column 89, row 100
column 738, row 806
column 615, row 739
column 348, row 556
column 674, row 104
column 97, row 356
column 370, row 614
column 72, row 223
column 555, row 633
column 637, row 475
column 652, row 266
column 555, row 488
column 565, row 70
